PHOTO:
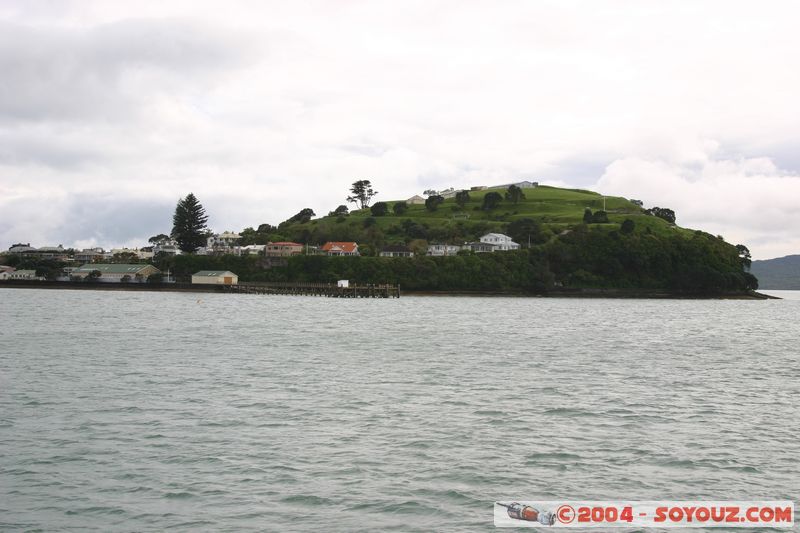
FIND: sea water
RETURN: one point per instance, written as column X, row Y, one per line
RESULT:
column 129, row 411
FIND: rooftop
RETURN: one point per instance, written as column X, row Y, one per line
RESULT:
column 213, row 273
column 113, row 268
column 348, row 247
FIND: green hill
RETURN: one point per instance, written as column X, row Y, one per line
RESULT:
column 623, row 247
column 553, row 209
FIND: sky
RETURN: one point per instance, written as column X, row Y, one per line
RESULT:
column 111, row 111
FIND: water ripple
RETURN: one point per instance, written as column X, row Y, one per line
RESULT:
column 259, row 413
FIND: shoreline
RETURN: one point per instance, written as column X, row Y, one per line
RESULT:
column 633, row 294
column 643, row 294
column 103, row 286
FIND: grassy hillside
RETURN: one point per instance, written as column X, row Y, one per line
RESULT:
column 648, row 252
column 553, row 208
column 782, row 273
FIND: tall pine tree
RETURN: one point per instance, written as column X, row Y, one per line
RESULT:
column 189, row 224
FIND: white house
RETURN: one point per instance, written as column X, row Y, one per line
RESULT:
column 443, row 249
column 501, row 242
column 169, row 247
column 222, row 243
column 226, row 239
column 215, row 277
column 416, row 200
column 478, row 247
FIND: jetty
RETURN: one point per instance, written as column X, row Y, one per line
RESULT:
column 329, row 290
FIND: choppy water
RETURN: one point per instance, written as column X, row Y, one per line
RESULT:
column 143, row 411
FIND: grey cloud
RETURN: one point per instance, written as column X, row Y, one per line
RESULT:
column 19, row 149
column 79, row 74
column 117, row 221
column 153, row 99
column 82, row 217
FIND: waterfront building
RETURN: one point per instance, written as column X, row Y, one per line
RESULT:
column 215, row 277
column 116, row 273
column 22, row 274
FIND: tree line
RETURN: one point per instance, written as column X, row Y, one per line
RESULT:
column 583, row 258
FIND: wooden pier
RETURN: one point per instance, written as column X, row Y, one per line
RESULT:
column 330, row 290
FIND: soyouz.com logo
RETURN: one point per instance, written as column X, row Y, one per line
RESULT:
column 662, row 514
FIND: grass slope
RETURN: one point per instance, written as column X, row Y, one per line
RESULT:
column 553, row 207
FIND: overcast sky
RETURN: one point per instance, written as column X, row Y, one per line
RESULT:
column 111, row 111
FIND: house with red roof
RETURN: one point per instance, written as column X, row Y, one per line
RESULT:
column 340, row 248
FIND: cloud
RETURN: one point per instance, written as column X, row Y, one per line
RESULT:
column 263, row 108
column 747, row 200
column 106, row 72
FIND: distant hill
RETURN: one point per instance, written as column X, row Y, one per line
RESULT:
column 781, row 273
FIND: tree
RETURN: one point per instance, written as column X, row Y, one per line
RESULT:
column 303, row 216
column 462, row 197
column 627, row 226
column 158, row 277
column 587, row 216
column 266, row 228
column 418, row 246
column 600, row 217
column 491, row 201
column 379, row 209
column 432, row 203
column 744, row 256
column 663, row 213
column 514, row 194
column 430, row 192
column 189, row 224
column 158, row 239
column 362, row 193
column 94, row 275
column 525, row 231
column 125, row 279
column 399, row 208
column 369, row 222
column 340, row 211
